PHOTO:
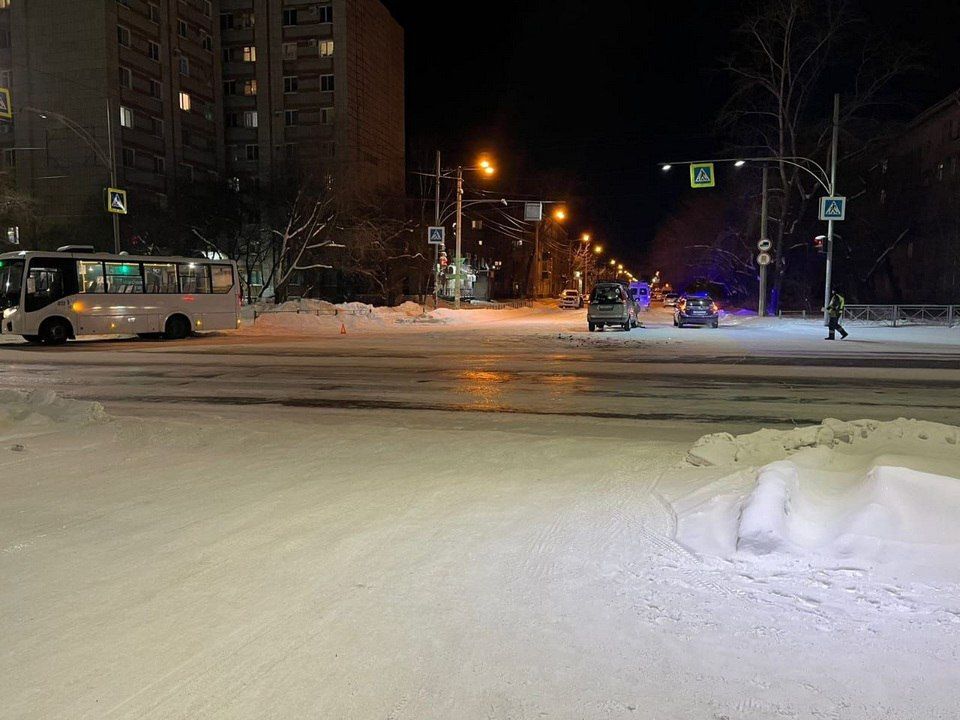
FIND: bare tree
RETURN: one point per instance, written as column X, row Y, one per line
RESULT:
column 780, row 107
column 381, row 251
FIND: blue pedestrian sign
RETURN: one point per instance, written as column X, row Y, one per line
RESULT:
column 436, row 235
column 833, row 208
column 701, row 176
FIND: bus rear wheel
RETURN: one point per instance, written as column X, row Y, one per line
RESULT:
column 55, row 331
column 177, row 328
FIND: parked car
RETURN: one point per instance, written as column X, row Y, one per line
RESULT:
column 696, row 310
column 640, row 292
column 610, row 304
column 670, row 299
column 571, row 299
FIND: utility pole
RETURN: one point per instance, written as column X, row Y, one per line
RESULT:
column 436, row 248
column 833, row 191
column 459, row 262
column 113, row 177
column 536, row 259
column 762, row 302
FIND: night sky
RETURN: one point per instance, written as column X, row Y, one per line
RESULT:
column 600, row 92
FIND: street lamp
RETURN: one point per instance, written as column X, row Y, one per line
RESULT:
column 560, row 214
column 740, row 163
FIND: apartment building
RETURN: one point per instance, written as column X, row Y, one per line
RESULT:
column 314, row 89
column 138, row 78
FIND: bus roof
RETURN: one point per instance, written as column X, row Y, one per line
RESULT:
column 108, row 257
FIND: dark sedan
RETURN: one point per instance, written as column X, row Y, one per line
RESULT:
column 696, row 310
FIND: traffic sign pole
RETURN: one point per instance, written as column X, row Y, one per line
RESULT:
column 762, row 301
column 828, row 279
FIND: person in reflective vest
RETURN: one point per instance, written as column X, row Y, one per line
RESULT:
column 834, row 313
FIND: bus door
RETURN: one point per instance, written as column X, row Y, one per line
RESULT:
column 49, row 284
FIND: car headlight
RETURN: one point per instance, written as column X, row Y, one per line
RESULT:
column 9, row 312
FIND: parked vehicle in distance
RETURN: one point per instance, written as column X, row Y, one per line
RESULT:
column 696, row 310
column 640, row 292
column 571, row 299
column 670, row 299
column 611, row 304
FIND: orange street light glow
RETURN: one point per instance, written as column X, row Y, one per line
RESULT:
column 560, row 214
column 598, row 249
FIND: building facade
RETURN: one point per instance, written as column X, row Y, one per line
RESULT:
column 904, row 222
column 314, row 89
column 135, row 81
column 175, row 92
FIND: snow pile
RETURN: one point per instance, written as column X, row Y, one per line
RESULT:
column 40, row 407
column 866, row 493
column 320, row 317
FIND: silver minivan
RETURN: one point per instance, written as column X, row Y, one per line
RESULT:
column 611, row 304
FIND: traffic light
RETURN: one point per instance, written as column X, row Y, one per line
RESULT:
column 818, row 243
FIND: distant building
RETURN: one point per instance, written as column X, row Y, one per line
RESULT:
column 198, row 91
column 314, row 88
column 905, row 210
column 154, row 64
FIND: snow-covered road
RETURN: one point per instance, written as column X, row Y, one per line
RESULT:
column 497, row 520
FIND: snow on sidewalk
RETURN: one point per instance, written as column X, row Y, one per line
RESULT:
column 273, row 563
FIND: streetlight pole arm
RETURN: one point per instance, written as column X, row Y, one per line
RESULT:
column 797, row 161
column 77, row 130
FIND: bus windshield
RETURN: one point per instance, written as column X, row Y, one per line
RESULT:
column 11, row 278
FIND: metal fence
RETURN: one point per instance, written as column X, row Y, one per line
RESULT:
column 897, row 315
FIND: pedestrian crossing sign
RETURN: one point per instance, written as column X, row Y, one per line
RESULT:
column 116, row 201
column 833, row 208
column 6, row 108
column 702, row 175
column 436, row 235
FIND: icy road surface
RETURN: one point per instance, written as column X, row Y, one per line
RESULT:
column 466, row 520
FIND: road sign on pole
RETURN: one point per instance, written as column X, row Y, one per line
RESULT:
column 833, row 208
column 764, row 259
column 533, row 211
column 702, row 175
column 116, row 201
column 6, row 107
column 436, row 235
column 764, row 245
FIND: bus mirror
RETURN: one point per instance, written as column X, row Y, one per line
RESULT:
column 31, row 286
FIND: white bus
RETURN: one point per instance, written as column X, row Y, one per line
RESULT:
column 50, row 297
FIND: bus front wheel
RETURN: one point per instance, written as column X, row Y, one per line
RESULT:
column 55, row 331
column 177, row 328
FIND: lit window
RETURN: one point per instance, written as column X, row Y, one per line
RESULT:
column 250, row 118
column 249, row 53
column 290, row 17
column 185, row 101
column 326, row 48
column 290, row 51
column 123, row 36
column 291, row 84
column 249, row 87
column 291, row 117
column 123, row 278
column 126, row 117
column 326, row 83
column 4, row 4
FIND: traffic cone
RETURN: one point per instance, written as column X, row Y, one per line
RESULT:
column 343, row 329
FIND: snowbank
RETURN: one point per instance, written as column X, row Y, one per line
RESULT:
column 310, row 317
column 41, row 407
column 866, row 493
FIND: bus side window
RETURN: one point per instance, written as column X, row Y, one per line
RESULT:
column 194, row 278
column 222, row 278
column 91, row 277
